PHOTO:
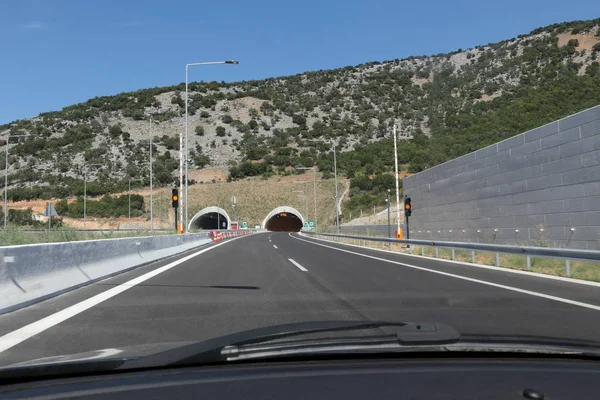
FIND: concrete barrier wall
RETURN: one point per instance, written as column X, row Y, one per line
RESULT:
column 539, row 187
column 29, row 273
column 369, row 230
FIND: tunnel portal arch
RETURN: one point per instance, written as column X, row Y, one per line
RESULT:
column 209, row 218
column 283, row 219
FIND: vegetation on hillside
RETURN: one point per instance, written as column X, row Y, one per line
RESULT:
column 446, row 105
column 25, row 218
column 107, row 206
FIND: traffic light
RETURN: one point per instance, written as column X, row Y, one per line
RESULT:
column 407, row 207
column 175, row 198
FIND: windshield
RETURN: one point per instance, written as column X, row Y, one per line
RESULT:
column 178, row 173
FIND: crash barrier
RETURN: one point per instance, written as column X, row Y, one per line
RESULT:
column 31, row 273
column 218, row 236
column 566, row 254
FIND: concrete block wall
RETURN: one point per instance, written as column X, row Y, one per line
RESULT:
column 370, row 230
column 539, row 187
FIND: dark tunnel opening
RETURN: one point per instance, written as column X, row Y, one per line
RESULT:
column 210, row 221
column 284, row 222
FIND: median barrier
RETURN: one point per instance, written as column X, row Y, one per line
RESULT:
column 31, row 273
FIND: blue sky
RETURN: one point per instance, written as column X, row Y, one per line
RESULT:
column 60, row 52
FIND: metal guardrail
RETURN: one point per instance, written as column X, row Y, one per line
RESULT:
column 528, row 251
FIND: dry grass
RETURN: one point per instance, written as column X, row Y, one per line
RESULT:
column 255, row 198
column 543, row 265
column 16, row 236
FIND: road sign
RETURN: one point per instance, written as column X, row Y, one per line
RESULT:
column 233, row 199
column 306, row 224
column 50, row 211
column 244, row 225
column 311, row 223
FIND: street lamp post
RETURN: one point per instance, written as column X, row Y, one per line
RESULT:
column 85, row 193
column 314, row 191
column 305, row 193
column 186, row 142
column 337, row 204
column 337, row 211
column 151, row 204
column 6, row 178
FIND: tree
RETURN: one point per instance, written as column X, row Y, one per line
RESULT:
column 593, row 69
column 298, row 119
column 115, row 131
column 201, row 160
column 176, row 99
column 199, row 130
column 220, row 131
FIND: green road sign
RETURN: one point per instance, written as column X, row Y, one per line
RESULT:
column 244, row 225
column 311, row 223
column 306, row 224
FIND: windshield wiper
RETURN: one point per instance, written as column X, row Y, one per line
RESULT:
column 327, row 338
column 221, row 349
column 227, row 348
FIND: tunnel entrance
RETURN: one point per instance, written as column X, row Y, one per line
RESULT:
column 209, row 219
column 283, row 219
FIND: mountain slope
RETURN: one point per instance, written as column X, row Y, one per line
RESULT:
column 446, row 105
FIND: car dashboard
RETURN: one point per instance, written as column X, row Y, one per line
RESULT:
column 444, row 378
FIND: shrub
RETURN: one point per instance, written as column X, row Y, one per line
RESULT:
column 115, row 131
column 220, row 131
column 199, row 130
column 201, row 160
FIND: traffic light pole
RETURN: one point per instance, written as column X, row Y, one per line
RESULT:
column 175, row 204
column 407, row 213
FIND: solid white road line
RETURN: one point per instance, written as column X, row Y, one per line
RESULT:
column 15, row 337
column 514, row 289
column 300, row 267
column 468, row 264
column 275, row 246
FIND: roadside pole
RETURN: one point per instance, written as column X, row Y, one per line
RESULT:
column 397, row 186
column 389, row 222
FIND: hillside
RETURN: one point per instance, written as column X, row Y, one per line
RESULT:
column 255, row 198
column 445, row 105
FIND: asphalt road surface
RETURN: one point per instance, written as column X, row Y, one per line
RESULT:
column 275, row 278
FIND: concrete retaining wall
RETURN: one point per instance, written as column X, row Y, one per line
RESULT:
column 29, row 273
column 539, row 187
column 369, row 230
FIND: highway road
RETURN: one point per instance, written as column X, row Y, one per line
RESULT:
column 275, row 278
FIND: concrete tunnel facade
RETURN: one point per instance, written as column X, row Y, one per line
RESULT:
column 209, row 218
column 283, row 219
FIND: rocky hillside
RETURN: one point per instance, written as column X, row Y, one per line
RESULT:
column 445, row 106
